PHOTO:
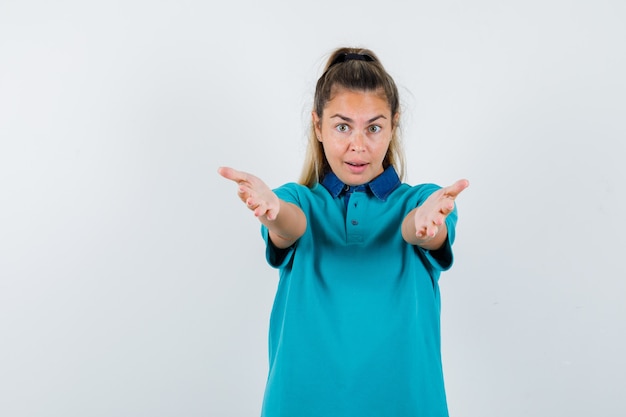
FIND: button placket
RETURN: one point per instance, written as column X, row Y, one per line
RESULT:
column 355, row 234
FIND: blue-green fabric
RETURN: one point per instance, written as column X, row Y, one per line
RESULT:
column 354, row 330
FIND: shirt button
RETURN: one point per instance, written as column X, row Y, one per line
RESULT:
column 354, row 222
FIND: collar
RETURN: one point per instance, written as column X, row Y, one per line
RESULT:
column 381, row 186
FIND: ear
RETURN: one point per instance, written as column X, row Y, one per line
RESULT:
column 317, row 125
column 396, row 120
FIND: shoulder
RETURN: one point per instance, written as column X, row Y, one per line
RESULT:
column 300, row 194
column 414, row 193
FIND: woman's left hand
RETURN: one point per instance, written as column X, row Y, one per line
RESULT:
column 431, row 215
column 424, row 226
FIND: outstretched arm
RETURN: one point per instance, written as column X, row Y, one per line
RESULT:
column 425, row 226
column 285, row 222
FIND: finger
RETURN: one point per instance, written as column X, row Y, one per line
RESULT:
column 271, row 214
column 244, row 194
column 251, row 203
column 438, row 221
column 232, row 174
column 272, row 210
column 447, row 208
column 244, row 189
column 427, row 232
column 456, row 188
column 261, row 210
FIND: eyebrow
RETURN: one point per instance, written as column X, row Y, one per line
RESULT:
column 349, row 120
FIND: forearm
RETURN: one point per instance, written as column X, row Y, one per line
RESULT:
column 409, row 233
column 288, row 226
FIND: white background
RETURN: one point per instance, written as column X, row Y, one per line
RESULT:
column 133, row 281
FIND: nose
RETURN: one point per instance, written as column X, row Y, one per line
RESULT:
column 357, row 144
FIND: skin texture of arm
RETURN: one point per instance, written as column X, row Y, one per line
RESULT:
column 425, row 225
column 285, row 222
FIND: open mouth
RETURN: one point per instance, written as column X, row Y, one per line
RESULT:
column 357, row 168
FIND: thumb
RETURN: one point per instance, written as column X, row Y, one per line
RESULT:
column 231, row 174
column 456, row 188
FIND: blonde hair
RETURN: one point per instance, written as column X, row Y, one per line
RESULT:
column 358, row 70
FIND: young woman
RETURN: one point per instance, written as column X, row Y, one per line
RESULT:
column 354, row 329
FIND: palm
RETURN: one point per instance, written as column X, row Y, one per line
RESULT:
column 257, row 196
column 433, row 212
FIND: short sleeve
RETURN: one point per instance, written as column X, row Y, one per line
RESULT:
column 277, row 257
column 442, row 258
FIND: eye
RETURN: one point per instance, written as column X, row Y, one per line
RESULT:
column 342, row 127
column 374, row 129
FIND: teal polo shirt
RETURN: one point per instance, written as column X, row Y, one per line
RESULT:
column 354, row 329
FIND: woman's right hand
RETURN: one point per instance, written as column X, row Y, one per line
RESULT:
column 255, row 194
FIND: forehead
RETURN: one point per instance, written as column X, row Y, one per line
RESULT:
column 357, row 101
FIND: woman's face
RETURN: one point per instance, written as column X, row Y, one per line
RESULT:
column 355, row 131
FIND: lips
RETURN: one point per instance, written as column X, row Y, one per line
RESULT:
column 356, row 163
column 356, row 167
